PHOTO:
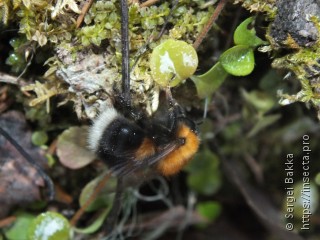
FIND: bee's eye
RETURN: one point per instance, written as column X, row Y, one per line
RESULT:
column 129, row 136
column 121, row 136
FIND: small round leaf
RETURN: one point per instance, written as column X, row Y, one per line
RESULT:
column 238, row 60
column 172, row 62
column 204, row 173
column 18, row 229
column 105, row 198
column 39, row 138
column 49, row 226
column 72, row 148
column 210, row 210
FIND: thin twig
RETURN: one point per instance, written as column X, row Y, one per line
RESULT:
column 255, row 167
column 6, row 78
column 209, row 24
column 7, row 221
column 93, row 196
column 148, row 3
column 83, row 13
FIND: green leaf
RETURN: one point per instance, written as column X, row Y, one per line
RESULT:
column 209, row 82
column 245, row 36
column 261, row 101
column 18, row 229
column 238, row 60
column 264, row 122
column 39, row 138
column 104, row 199
column 205, row 176
column 172, row 62
column 96, row 224
column 50, row 226
column 209, row 210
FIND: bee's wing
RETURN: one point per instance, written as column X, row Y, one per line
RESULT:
column 128, row 167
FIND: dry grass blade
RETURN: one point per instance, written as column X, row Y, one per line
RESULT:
column 209, row 24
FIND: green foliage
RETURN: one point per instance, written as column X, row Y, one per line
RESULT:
column 243, row 35
column 105, row 198
column 304, row 63
column 16, row 62
column 18, row 230
column 257, row 105
column 209, row 82
column 266, row 6
column 102, row 21
column 172, row 62
column 52, row 23
column 16, row 58
column 50, row 226
column 39, row 138
column 209, row 210
column 237, row 61
column 260, row 101
column 204, row 173
column 96, row 224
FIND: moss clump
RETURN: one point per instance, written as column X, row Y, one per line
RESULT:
column 266, row 6
column 98, row 43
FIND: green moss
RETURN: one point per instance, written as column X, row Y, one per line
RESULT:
column 305, row 64
column 266, row 6
column 53, row 23
column 17, row 57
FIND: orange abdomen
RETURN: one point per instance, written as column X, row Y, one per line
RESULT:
column 177, row 159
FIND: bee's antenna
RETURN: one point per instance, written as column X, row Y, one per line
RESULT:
column 45, row 177
column 125, row 51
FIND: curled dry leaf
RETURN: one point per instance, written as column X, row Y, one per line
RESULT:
column 20, row 181
column 72, row 148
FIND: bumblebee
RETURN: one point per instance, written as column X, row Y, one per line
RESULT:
column 128, row 141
